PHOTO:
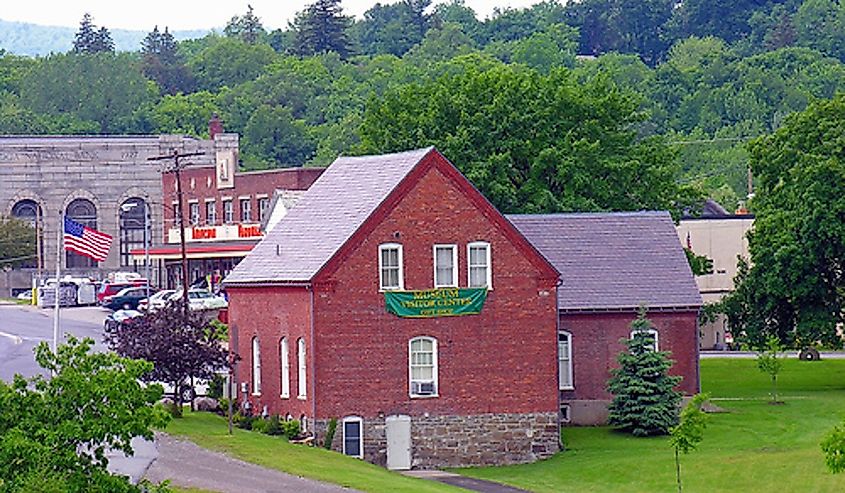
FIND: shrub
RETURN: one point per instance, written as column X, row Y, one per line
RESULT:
column 330, row 430
column 274, row 426
column 260, row 425
column 291, row 428
column 242, row 421
column 215, row 387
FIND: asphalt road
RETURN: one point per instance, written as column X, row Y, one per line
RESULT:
column 23, row 327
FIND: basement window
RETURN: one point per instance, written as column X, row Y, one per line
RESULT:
column 353, row 437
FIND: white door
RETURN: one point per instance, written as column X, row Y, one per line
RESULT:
column 398, row 431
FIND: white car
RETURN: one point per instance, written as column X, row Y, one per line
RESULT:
column 156, row 301
column 200, row 299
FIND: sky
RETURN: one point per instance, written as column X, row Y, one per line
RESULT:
column 187, row 14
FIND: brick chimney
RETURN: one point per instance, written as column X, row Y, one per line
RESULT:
column 215, row 126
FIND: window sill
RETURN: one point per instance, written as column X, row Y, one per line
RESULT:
column 388, row 290
column 256, row 394
column 284, row 396
column 567, row 388
column 302, row 397
column 414, row 396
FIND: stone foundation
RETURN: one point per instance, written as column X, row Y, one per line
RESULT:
column 460, row 441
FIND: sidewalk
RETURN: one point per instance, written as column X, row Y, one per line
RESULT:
column 471, row 484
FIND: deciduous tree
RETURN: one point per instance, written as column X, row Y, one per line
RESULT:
column 54, row 432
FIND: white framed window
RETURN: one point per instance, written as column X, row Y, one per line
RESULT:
column 284, row 365
column 654, row 336
column 422, row 367
column 479, row 273
column 228, row 212
column 564, row 360
column 390, row 266
column 300, row 377
column 195, row 213
column 246, row 210
column 263, row 206
column 445, row 266
column 256, row 367
column 210, row 212
column 353, row 436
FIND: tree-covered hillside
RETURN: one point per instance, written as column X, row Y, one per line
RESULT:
column 592, row 105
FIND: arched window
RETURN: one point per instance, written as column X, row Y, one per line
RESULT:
column 422, row 366
column 256, row 367
column 284, row 364
column 84, row 212
column 300, row 378
column 564, row 360
column 29, row 212
column 652, row 333
column 133, row 225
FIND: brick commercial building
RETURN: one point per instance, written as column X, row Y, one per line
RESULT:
column 349, row 309
column 105, row 182
column 610, row 264
column 225, row 213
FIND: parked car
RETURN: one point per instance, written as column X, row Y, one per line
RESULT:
column 156, row 301
column 126, row 299
column 119, row 317
column 200, row 299
column 108, row 289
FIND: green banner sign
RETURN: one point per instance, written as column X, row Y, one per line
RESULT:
column 444, row 302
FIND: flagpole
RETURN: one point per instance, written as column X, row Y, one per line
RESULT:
column 59, row 230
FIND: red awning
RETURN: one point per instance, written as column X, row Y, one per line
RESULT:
column 197, row 250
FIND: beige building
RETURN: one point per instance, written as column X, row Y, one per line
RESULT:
column 720, row 236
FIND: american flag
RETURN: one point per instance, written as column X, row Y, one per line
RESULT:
column 86, row 241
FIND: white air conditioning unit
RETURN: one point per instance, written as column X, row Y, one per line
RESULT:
column 423, row 388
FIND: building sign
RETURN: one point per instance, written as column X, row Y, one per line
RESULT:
column 224, row 232
column 444, row 302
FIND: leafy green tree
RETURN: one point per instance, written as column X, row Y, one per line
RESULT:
column 531, row 143
column 392, row 28
column 726, row 19
column 274, row 136
column 163, row 63
column 689, row 432
column 457, row 12
column 104, row 88
column 247, row 28
column 699, row 264
column 820, row 24
column 644, row 402
column 833, row 446
column 440, row 44
column 322, row 28
column 182, row 114
column 228, row 62
column 769, row 361
column 54, row 432
column 17, row 242
column 794, row 291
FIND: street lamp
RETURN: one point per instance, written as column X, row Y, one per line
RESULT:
column 128, row 206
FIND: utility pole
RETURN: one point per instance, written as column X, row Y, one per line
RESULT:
column 177, row 169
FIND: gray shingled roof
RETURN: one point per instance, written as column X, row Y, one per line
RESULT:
column 325, row 217
column 612, row 261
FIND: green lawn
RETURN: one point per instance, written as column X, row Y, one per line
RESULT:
column 210, row 431
column 755, row 447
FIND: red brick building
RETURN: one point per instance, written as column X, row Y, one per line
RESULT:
column 309, row 315
column 610, row 264
column 224, row 210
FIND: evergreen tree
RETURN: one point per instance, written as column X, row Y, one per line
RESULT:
column 89, row 39
column 247, row 28
column 322, row 28
column 86, row 35
column 161, row 62
column 645, row 402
